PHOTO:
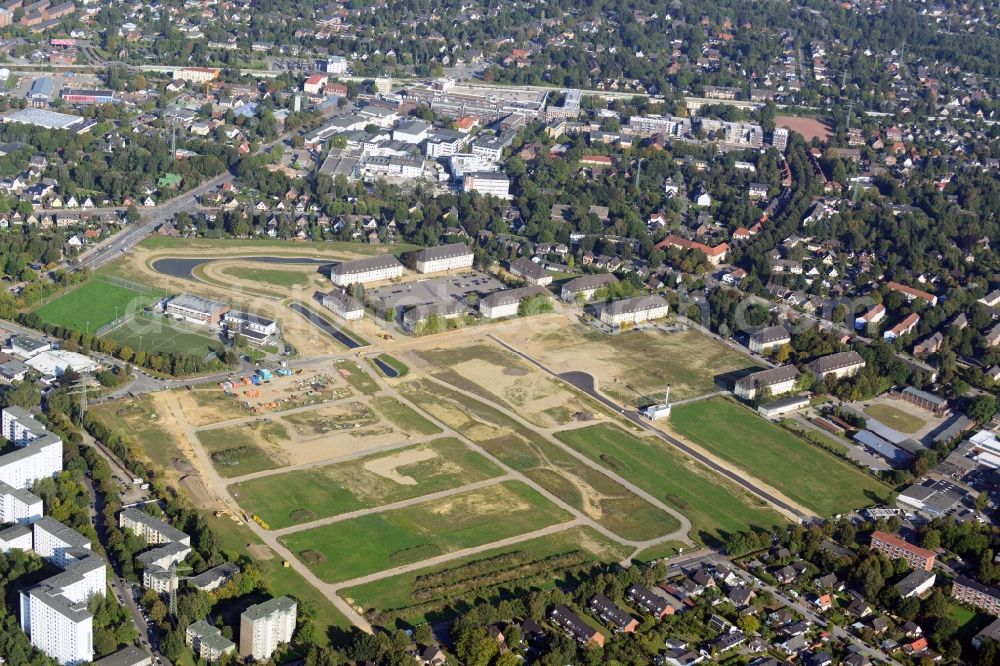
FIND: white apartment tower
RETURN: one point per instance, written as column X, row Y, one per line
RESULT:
column 265, row 626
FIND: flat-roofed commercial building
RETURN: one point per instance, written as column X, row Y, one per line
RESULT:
column 444, row 258
column 364, row 271
column 196, row 309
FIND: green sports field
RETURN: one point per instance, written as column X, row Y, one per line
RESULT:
column 303, row 495
column 378, row 542
column 158, row 334
column 92, row 305
column 714, row 507
column 802, row 471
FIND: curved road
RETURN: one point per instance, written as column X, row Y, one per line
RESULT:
column 585, row 382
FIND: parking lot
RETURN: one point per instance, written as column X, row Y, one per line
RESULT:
column 434, row 290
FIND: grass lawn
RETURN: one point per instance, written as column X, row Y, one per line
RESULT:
column 714, row 507
column 378, row 542
column 401, row 368
column 969, row 621
column 237, row 451
column 895, row 418
column 92, row 305
column 236, row 539
column 139, row 418
column 357, row 377
column 804, row 472
column 271, row 276
column 303, row 495
column 580, row 486
column 409, row 589
column 161, row 335
column 405, row 418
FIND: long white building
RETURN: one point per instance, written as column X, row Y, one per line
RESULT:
column 40, row 452
column 634, row 310
column 363, row 271
column 171, row 546
column 444, row 258
column 263, row 627
column 54, row 612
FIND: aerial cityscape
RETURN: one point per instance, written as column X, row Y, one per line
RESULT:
column 374, row 333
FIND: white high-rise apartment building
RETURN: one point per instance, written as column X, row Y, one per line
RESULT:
column 40, row 452
column 265, row 626
column 54, row 612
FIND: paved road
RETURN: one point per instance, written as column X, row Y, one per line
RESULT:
column 585, row 382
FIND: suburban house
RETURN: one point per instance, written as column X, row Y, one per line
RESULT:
column 649, row 601
column 507, row 302
column 585, row 286
column 839, row 365
column 368, row 269
column 530, row 272
column 776, row 380
column 634, row 310
column 768, row 338
column 896, row 548
column 444, row 258
column 610, row 613
column 343, row 305
column 574, row 627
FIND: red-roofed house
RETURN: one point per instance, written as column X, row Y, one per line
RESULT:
column 907, row 325
column 716, row 255
column 314, row 84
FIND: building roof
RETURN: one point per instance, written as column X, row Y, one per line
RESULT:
column 976, row 586
column 269, row 607
column 836, row 361
column 527, row 268
column 14, row 532
column 604, row 606
column 43, row 118
column 637, row 304
column 239, row 316
column 925, row 396
column 769, row 377
column 508, row 296
column 129, row 656
column 572, row 623
column 894, row 540
column 789, row 401
column 64, row 533
column 196, row 303
column 223, row 572
column 442, row 308
column 449, row 251
column 913, row 581
column 991, row 631
column 770, row 334
column 211, row 636
column 588, row 282
column 911, row 292
column 365, row 265
column 341, row 301
column 164, row 529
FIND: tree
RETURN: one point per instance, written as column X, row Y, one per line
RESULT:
column 982, row 408
column 750, row 624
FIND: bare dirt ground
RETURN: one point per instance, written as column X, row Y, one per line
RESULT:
column 807, row 127
column 388, row 466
